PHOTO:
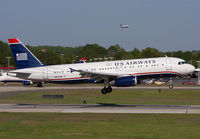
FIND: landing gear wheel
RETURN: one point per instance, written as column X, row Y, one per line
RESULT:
column 104, row 91
column 109, row 89
column 171, row 86
column 39, row 84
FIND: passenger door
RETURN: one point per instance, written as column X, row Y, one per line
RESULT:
column 45, row 73
column 168, row 64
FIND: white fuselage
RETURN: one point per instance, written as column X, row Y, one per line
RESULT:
column 135, row 67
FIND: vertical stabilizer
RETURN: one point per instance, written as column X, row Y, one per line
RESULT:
column 22, row 56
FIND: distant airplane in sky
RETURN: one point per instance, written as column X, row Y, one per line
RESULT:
column 123, row 26
column 120, row 73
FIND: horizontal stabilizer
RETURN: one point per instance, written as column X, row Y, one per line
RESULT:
column 19, row 74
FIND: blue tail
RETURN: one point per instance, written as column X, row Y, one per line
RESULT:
column 22, row 56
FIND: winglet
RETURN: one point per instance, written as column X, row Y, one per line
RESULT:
column 72, row 70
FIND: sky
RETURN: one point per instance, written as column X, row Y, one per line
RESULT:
column 167, row 25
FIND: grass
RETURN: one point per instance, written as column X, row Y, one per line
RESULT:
column 169, row 97
column 105, row 126
column 102, row 126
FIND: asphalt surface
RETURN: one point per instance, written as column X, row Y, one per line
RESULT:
column 6, row 91
column 100, row 108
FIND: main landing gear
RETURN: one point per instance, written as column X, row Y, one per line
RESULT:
column 39, row 84
column 106, row 90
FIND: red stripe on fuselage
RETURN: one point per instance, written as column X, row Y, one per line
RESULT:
column 146, row 73
column 67, row 79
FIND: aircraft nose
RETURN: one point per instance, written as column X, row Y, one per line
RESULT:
column 192, row 68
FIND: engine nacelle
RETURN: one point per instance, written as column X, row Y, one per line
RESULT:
column 27, row 82
column 126, row 81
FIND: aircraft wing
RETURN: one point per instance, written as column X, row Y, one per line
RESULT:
column 99, row 76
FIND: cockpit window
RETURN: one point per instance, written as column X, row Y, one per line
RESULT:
column 182, row 62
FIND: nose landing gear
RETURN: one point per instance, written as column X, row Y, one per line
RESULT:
column 171, row 86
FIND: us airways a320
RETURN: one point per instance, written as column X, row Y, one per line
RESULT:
column 120, row 73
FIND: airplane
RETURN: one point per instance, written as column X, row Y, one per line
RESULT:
column 121, row 72
column 5, row 78
column 82, row 60
column 123, row 26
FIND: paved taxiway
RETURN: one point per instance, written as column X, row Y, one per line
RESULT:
column 100, row 108
column 6, row 91
column 13, row 90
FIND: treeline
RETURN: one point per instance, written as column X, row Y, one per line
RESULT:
column 51, row 55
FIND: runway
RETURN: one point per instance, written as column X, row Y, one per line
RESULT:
column 6, row 91
column 101, row 108
column 48, row 88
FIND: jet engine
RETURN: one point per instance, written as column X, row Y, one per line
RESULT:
column 27, row 82
column 126, row 81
